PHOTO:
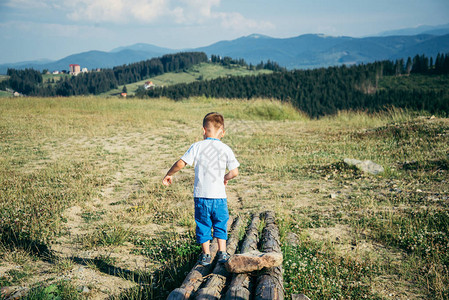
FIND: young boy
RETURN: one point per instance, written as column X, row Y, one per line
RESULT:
column 210, row 157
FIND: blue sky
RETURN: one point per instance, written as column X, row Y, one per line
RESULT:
column 31, row 29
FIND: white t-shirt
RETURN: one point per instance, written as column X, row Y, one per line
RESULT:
column 210, row 157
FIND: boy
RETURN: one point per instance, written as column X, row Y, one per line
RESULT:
column 210, row 157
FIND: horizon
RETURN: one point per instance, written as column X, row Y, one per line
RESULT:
column 55, row 30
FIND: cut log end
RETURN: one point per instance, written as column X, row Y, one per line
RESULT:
column 253, row 261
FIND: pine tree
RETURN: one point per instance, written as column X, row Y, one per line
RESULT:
column 408, row 66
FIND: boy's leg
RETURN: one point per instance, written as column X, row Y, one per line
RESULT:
column 206, row 247
column 220, row 217
column 203, row 224
column 221, row 245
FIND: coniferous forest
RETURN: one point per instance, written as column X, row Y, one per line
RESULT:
column 325, row 91
column 29, row 82
column 317, row 92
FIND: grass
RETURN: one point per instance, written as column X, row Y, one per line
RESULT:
column 203, row 71
column 59, row 290
column 5, row 94
column 49, row 78
column 82, row 176
column 313, row 268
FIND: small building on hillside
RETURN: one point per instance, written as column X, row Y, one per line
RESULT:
column 56, row 72
column 84, row 70
column 75, row 69
column 149, row 85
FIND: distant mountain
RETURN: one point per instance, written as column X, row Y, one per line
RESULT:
column 304, row 51
column 95, row 59
column 144, row 48
column 316, row 50
column 424, row 29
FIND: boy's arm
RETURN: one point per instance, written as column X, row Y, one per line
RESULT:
column 231, row 174
column 175, row 168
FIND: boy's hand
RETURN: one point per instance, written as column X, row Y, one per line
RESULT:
column 231, row 174
column 175, row 168
column 167, row 180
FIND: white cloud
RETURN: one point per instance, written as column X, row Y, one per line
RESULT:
column 181, row 12
column 185, row 12
column 202, row 11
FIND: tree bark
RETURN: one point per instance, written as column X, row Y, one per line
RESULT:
column 194, row 279
column 217, row 281
column 270, row 282
column 240, row 284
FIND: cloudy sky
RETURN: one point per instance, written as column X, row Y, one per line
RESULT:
column 53, row 29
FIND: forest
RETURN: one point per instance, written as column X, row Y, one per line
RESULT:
column 325, row 91
column 29, row 82
column 317, row 92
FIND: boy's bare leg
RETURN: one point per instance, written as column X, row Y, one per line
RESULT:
column 206, row 247
column 221, row 245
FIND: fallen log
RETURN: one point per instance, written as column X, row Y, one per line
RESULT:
column 270, row 281
column 217, row 280
column 253, row 261
column 240, row 284
column 195, row 277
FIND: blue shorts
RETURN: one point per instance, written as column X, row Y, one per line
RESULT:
column 211, row 213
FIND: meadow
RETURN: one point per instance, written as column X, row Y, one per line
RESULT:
column 83, row 213
column 202, row 71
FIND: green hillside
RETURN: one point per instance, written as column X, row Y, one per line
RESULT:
column 5, row 94
column 203, row 71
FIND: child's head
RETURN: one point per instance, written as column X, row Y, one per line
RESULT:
column 213, row 125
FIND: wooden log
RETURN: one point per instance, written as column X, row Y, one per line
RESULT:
column 240, row 284
column 217, row 280
column 270, row 282
column 253, row 261
column 195, row 277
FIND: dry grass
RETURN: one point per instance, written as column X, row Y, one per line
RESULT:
column 80, row 191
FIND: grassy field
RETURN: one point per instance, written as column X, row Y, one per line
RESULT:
column 203, row 71
column 47, row 78
column 5, row 94
column 82, row 205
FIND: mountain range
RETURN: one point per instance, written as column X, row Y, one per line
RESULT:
column 301, row 52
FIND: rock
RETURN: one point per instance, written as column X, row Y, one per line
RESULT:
column 253, row 261
column 292, row 239
column 333, row 196
column 366, row 166
column 300, row 297
column 83, row 289
column 18, row 294
column 6, row 291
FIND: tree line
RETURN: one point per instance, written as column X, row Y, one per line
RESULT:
column 317, row 92
column 229, row 62
column 325, row 91
column 29, row 81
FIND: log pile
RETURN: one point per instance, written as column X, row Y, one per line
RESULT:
column 216, row 282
